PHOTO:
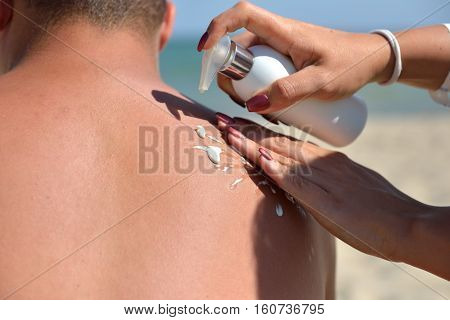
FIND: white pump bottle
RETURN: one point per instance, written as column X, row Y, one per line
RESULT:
column 338, row 123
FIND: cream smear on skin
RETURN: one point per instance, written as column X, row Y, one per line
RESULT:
column 201, row 132
column 279, row 210
column 214, row 153
column 235, row 183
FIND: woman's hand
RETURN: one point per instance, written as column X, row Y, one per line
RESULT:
column 354, row 203
column 333, row 64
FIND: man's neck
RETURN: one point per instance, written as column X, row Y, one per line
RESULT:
column 77, row 47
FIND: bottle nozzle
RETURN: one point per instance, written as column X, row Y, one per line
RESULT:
column 226, row 57
column 213, row 61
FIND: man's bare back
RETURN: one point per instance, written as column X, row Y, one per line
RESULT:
column 89, row 210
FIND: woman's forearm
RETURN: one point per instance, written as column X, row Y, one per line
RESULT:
column 425, row 56
column 332, row 64
column 428, row 246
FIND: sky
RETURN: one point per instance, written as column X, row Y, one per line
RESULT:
column 193, row 16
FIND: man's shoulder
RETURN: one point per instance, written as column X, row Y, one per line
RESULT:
column 182, row 192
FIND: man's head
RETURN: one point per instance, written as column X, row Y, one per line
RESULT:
column 19, row 20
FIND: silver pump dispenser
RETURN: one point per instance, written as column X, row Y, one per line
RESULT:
column 240, row 62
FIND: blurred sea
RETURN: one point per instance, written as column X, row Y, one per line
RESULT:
column 180, row 67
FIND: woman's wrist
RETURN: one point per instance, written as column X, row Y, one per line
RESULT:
column 425, row 56
column 428, row 240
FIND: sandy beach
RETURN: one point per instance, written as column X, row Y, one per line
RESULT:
column 413, row 153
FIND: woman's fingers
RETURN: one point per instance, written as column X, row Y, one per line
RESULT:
column 262, row 23
column 312, row 192
column 278, row 143
column 294, row 179
column 301, row 151
column 259, row 134
column 223, row 121
column 291, row 175
column 248, row 39
column 249, row 148
column 311, row 187
column 285, row 92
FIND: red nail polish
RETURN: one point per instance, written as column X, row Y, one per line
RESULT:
column 7, row 7
column 235, row 132
column 258, row 103
column 202, row 41
column 266, row 154
column 224, row 118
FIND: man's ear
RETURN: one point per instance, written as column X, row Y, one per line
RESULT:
column 6, row 13
column 167, row 25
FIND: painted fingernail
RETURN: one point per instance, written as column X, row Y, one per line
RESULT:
column 266, row 154
column 224, row 118
column 258, row 103
column 202, row 41
column 235, row 132
column 6, row 6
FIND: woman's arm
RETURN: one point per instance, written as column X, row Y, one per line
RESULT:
column 332, row 63
column 425, row 57
column 354, row 203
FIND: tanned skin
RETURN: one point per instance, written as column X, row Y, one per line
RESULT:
column 79, row 217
